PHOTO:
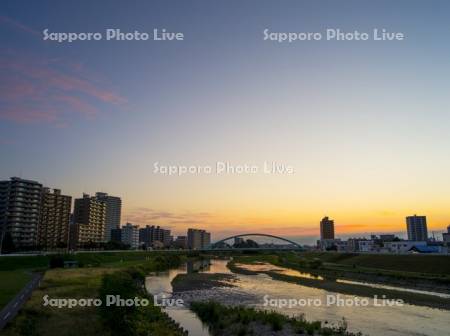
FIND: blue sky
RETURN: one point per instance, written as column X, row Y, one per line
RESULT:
column 362, row 122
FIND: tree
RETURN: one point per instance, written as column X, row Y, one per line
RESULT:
column 246, row 244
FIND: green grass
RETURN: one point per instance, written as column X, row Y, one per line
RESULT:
column 427, row 264
column 11, row 282
column 61, row 283
column 224, row 320
column 85, row 282
column 91, row 259
column 26, row 262
column 435, row 268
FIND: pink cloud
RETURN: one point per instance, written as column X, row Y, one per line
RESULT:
column 50, row 91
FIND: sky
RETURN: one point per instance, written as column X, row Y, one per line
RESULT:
column 364, row 124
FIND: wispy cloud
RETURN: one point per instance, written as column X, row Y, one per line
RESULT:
column 220, row 226
column 34, row 89
column 18, row 26
column 145, row 216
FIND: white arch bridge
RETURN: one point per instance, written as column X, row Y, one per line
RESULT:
column 217, row 244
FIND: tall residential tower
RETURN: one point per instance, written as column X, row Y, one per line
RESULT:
column 20, row 205
column 113, row 212
column 54, row 219
column 326, row 228
column 417, row 228
column 89, row 217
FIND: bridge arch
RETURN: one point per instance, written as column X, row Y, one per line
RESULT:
column 254, row 234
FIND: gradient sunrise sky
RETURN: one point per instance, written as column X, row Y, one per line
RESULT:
column 364, row 124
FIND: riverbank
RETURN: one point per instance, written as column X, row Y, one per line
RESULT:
column 421, row 272
column 11, row 283
column 89, row 282
column 230, row 321
column 319, row 280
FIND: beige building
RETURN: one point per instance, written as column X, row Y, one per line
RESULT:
column 89, row 218
column 198, row 239
column 53, row 228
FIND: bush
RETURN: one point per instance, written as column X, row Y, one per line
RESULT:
column 57, row 261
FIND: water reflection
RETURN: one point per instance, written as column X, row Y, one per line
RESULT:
column 160, row 282
column 250, row 290
column 195, row 266
column 265, row 267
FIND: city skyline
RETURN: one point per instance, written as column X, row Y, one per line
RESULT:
column 364, row 124
column 325, row 230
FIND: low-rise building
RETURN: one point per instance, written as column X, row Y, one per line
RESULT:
column 402, row 246
column 151, row 234
column 387, row 237
column 332, row 245
column 367, row 246
column 446, row 236
column 353, row 244
column 198, row 239
column 181, row 242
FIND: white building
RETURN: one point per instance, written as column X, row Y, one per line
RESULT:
column 402, row 246
column 130, row 235
column 367, row 246
column 332, row 244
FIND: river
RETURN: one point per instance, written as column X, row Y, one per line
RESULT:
column 250, row 290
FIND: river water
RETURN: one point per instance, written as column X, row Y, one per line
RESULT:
column 256, row 290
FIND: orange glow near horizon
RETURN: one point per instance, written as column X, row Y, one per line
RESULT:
column 287, row 224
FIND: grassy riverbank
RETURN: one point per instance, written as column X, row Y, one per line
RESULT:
column 374, row 268
column 436, row 266
column 91, row 282
column 84, row 259
column 15, row 271
column 230, row 321
column 11, row 283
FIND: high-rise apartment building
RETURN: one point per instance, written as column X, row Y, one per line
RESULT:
column 89, row 216
column 198, row 239
column 54, row 219
column 20, row 205
column 417, row 228
column 113, row 212
column 326, row 228
column 151, row 234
